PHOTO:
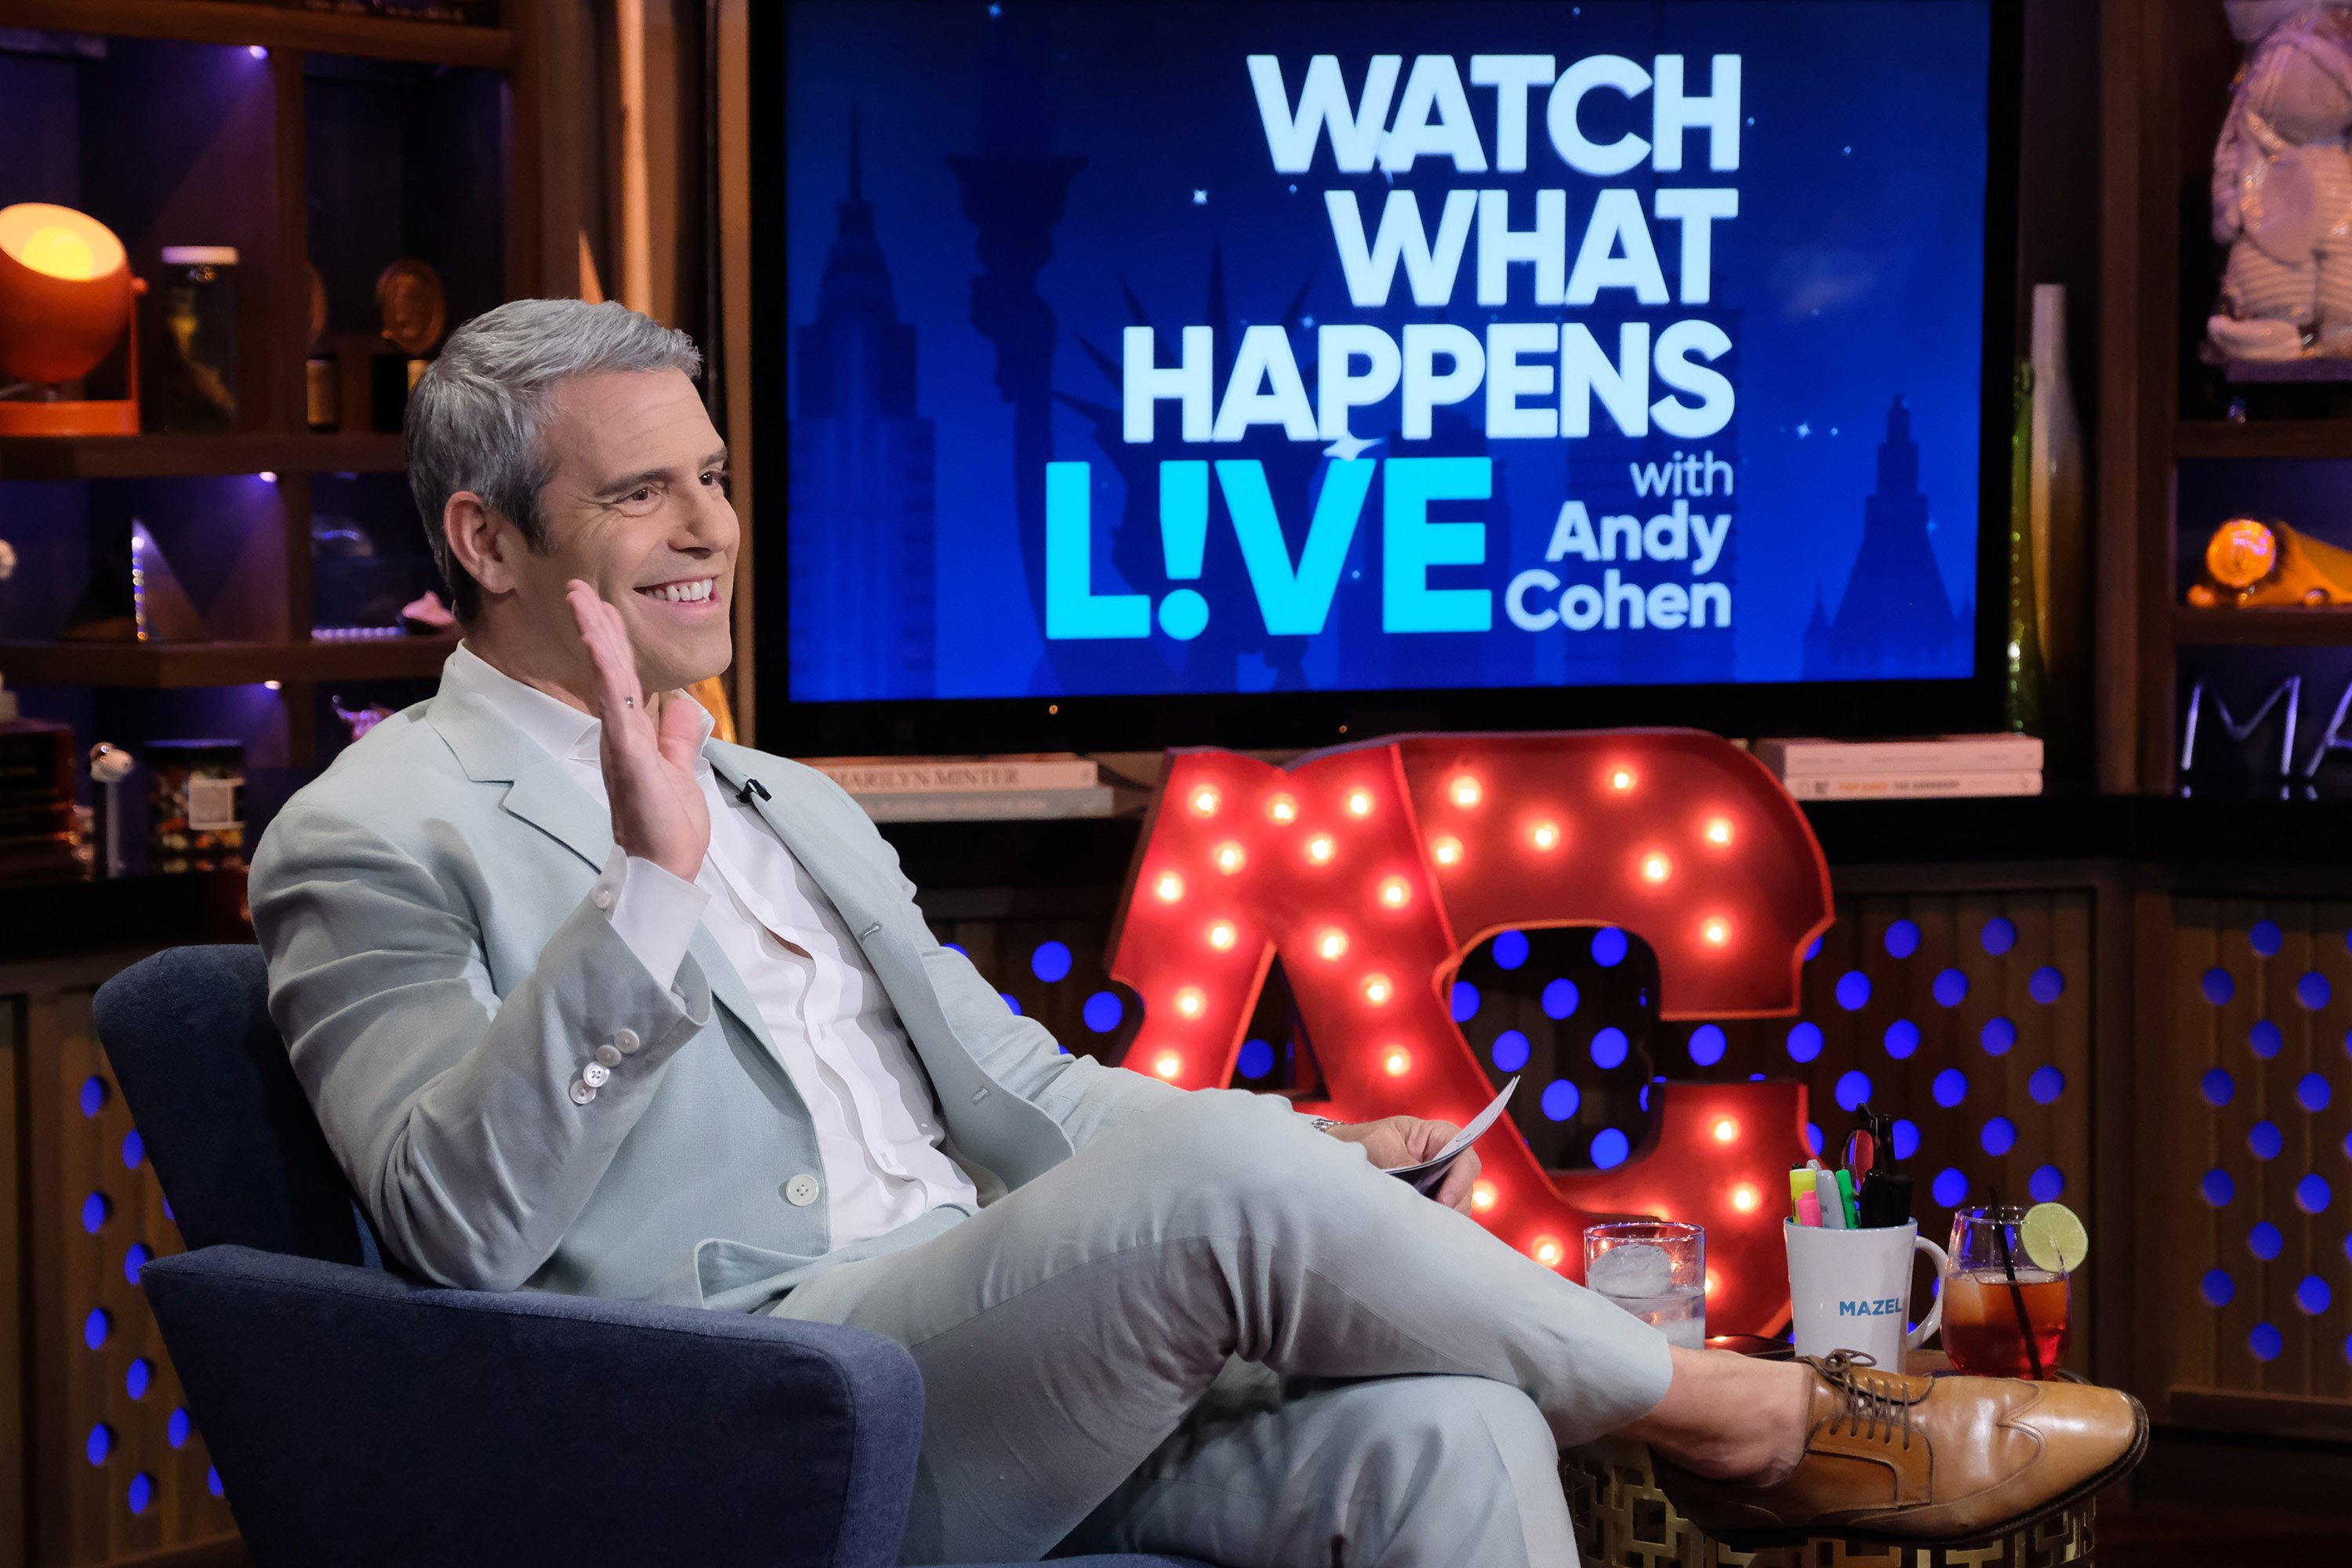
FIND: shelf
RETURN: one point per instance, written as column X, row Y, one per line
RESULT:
column 2264, row 628
column 158, row 665
column 2264, row 438
column 314, row 32
column 176, row 456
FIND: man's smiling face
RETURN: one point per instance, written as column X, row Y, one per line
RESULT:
column 636, row 507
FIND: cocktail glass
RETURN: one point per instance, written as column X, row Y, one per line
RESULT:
column 1655, row 1269
column 2004, row 1316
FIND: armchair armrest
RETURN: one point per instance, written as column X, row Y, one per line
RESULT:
column 357, row 1418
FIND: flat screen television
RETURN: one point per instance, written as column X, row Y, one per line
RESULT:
column 1267, row 373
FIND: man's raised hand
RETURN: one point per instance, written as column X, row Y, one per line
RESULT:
column 649, row 748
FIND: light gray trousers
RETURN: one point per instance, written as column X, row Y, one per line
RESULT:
column 1218, row 1333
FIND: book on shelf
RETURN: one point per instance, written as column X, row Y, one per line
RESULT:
column 1046, row 771
column 1916, row 784
column 1932, row 754
column 989, row 806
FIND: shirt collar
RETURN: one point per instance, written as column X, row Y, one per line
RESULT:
column 559, row 730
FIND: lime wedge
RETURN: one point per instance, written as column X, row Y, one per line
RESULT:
column 2054, row 1237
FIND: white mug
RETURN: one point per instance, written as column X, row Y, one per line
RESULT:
column 1850, row 1289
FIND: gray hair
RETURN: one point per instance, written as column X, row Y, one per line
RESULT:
column 475, row 416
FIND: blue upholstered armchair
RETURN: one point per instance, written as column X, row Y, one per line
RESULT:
column 359, row 1417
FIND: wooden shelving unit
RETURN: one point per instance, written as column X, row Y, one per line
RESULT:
column 173, row 665
column 2209, row 438
column 2264, row 627
column 270, row 27
column 185, row 457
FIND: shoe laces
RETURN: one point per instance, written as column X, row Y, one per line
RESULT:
column 1869, row 1403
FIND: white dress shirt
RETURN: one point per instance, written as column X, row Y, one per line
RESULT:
column 834, row 1031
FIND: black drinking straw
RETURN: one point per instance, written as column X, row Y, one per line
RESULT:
column 2016, row 1295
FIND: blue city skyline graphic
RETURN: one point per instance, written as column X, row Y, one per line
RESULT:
column 997, row 222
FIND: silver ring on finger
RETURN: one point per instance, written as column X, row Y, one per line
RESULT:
column 628, row 702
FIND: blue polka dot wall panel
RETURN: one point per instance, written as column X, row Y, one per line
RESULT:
column 108, row 1482
column 1968, row 1016
column 2255, row 1152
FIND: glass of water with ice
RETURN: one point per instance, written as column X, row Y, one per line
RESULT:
column 1655, row 1269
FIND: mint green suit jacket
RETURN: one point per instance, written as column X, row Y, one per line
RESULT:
column 441, row 976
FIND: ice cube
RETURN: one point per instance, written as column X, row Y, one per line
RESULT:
column 1632, row 1269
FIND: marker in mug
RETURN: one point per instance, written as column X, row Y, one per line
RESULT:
column 1800, row 1194
column 1825, row 1193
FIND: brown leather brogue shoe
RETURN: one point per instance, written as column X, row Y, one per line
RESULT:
column 1917, row 1460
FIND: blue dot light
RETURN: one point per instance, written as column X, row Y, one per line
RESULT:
column 2265, row 1141
column 1560, row 998
column 1104, row 1012
column 134, row 1150
column 2218, row 1187
column 2046, row 1085
column 1853, row 990
column 93, row 1095
column 133, row 1259
column 2046, row 1182
column 96, row 1327
column 2264, row 1240
column 2313, row 990
column 2265, row 938
column 1608, row 947
column 1999, row 1135
column 2265, row 1039
column 1561, row 1098
column 1950, row 1087
column 212, row 1479
column 1609, row 1047
column 1510, row 949
column 1901, row 1038
column 2218, row 986
column 2046, row 986
column 1950, row 1187
column 1464, row 1001
column 1902, row 939
column 1906, row 1138
column 141, row 1495
column 2266, row 1343
column 1813, row 952
column 2311, row 1092
column 2312, row 1195
column 95, row 1209
column 1951, row 988
column 1511, row 1051
column 1609, row 1148
column 1852, row 1089
column 1256, row 1059
column 98, row 1444
column 1999, row 935
column 1011, row 1001
column 2217, row 1288
column 1997, row 1035
column 1804, row 1042
column 1707, row 1044
column 956, row 947
column 176, row 1430
column 2218, row 1087
column 139, row 1377
column 2313, row 1295
column 1814, row 1136
column 1051, row 961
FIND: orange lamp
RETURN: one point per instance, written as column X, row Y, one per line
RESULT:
column 65, row 294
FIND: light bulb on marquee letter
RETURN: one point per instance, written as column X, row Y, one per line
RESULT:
column 1170, row 886
column 1548, row 1251
column 1425, row 879
column 1204, row 800
column 1655, row 869
column 1331, row 943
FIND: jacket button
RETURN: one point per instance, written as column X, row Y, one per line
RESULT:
column 604, row 899
column 626, row 1039
column 580, row 1093
column 801, row 1191
column 609, row 1055
column 595, row 1075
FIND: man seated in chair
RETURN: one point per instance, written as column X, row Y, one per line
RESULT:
column 589, row 1002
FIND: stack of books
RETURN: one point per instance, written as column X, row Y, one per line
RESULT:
column 945, row 789
column 1935, row 766
column 36, row 799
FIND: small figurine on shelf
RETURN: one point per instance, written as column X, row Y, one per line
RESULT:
column 2251, row 564
column 426, row 615
column 2283, row 184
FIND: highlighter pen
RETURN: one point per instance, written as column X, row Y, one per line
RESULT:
column 1845, row 1199
column 1825, row 1192
column 1800, row 1195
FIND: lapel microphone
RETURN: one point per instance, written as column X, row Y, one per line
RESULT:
column 752, row 787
